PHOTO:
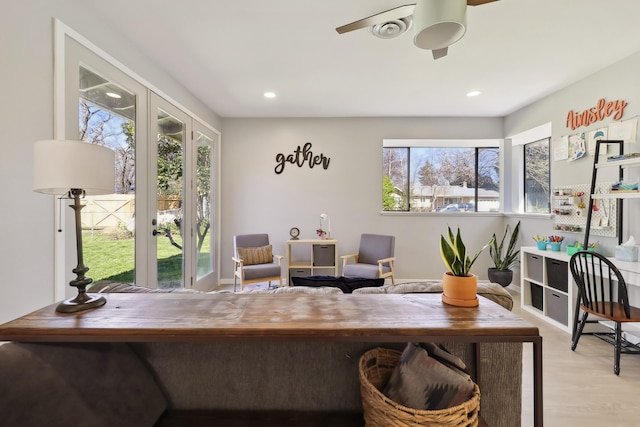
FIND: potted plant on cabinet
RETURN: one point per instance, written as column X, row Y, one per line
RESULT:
column 504, row 258
column 459, row 286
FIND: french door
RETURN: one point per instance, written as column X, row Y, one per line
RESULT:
column 158, row 228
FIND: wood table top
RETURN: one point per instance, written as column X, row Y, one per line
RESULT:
column 253, row 317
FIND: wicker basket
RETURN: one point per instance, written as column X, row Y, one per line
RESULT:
column 376, row 367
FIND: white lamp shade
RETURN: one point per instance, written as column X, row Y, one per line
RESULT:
column 59, row 166
column 439, row 23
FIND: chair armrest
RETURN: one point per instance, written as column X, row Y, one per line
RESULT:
column 385, row 260
column 237, row 261
column 279, row 257
column 391, row 273
column 345, row 258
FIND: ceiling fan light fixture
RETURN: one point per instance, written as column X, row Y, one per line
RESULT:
column 439, row 23
column 392, row 29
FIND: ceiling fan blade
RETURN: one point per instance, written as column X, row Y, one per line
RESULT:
column 478, row 2
column 379, row 18
column 439, row 53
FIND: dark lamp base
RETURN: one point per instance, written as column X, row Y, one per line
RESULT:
column 80, row 303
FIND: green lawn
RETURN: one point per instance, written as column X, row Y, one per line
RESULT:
column 113, row 260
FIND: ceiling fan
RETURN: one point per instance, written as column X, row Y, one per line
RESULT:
column 437, row 24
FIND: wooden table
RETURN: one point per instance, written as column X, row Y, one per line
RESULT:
column 241, row 317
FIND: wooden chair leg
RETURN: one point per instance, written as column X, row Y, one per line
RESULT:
column 618, row 349
column 576, row 338
column 234, row 282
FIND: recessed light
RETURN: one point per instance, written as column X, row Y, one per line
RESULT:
column 473, row 93
column 269, row 95
column 113, row 95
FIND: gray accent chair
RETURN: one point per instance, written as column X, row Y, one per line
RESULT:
column 256, row 273
column 374, row 259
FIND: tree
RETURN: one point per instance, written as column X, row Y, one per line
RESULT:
column 388, row 201
column 203, row 190
column 125, row 160
column 537, row 189
column 170, row 180
column 100, row 127
column 489, row 168
column 395, row 167
column 428, row 174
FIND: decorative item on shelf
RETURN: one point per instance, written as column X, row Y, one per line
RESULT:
column 74, row 169
column 556, row 242
column 504, row 258
column 541, row 242
column 459, row 286
column 623, row 157
column 575, row 200
column 621, row 187
column 325, row 227
column 627, row 251
column 294, row 233
column 577, row 246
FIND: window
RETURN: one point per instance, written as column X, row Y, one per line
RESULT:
column 537, row 177
column 432, row 176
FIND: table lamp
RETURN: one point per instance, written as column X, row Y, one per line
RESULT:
column 74, row 169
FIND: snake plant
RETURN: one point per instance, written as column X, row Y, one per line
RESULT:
column 454, row 253
column 505, row 259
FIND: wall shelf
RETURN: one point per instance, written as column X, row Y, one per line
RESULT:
column 569, row 217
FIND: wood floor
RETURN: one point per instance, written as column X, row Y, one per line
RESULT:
column 580, row 388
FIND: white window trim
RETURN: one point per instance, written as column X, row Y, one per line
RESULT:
column 515, row 197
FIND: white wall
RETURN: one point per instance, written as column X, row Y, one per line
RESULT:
column 617, row 81
column 26, row 115
column 256, row 199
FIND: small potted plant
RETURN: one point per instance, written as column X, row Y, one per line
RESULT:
column 459, row 286
column 504, row 258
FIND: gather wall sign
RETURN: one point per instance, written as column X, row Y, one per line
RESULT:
column 600, row 111
column 301, row 156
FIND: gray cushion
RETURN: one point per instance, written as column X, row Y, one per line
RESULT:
column 118, row 287
column 261, row 270
column 323, row 290
column 77, row 385
column 250, row 240
column 368, row 271
column 492, row 291
column 374, row 247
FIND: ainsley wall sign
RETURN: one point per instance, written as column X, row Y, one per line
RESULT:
column 602, row 110
column 300, row 156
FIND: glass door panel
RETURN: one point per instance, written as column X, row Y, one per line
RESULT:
column 170, row 189
column 204, row 205
column 107, row 113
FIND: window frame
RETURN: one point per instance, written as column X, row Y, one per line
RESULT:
column 477, row 144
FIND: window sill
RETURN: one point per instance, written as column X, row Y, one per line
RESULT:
column 443, row 214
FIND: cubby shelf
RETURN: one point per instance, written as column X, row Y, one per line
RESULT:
column 311, row 257
column 547, row 289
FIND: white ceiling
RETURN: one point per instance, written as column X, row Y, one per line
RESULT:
column 229, row 52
